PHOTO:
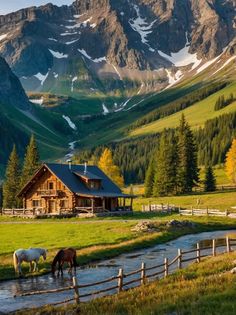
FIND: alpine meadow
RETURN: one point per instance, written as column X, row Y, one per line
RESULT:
column 118, row 157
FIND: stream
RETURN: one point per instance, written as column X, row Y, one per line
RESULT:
column 98, row 271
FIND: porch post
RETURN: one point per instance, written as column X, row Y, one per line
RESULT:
column 124, row 204
column 131, row 204
column 104, row 203
column 92, row 200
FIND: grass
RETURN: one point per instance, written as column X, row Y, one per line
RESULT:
column 94, row 240
column 196, row 115
column 221, row 200
column 205, row 288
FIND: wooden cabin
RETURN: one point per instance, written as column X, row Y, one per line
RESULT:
column 63, row 188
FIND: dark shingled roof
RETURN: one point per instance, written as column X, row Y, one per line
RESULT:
column 75, row 184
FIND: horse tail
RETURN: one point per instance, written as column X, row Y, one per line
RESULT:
column 15, row 262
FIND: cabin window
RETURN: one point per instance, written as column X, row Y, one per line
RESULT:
column 36, row 203
column 64, row 203
column 51, row 185
column 92, row 185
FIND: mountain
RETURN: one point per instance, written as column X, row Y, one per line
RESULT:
column 11, row 91
column 117, row 52
column 20, row 118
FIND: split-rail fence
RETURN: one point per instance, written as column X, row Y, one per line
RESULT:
column 124, row 281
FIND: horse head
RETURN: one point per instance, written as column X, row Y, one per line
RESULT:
column 44, row 254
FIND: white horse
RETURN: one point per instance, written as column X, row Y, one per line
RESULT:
column 31, row 255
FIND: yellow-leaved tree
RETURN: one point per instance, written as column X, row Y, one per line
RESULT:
column 230, row 162
column 107, row 165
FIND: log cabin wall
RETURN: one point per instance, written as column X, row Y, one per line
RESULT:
column 49, row 194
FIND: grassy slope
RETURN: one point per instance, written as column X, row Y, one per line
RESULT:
column 196, row 115
column 205, row 288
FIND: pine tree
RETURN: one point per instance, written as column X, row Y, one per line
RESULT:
column 11, row 183
column 149, row 179
column 230, row 163
column 187, row 172
column 209, row 181
column 107, row 165
column 165, row 174
column 31, row 161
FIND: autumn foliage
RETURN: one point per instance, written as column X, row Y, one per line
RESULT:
column 230, row 162
column 107, row 165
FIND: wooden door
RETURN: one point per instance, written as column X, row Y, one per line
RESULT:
column 51, row 206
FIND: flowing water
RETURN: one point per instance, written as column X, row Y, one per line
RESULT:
column 97, row 272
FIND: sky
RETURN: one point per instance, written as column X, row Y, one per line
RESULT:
column 7, row 6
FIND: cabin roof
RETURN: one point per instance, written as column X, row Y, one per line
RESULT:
column 70, row 178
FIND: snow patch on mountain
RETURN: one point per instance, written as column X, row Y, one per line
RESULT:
column 182, row 57
column 105, row 109
column 70, row 123
column 96, row 60
column 72, row 83
column 225, row 64
column 141, row 26
column 71, row 42
column 41, row 77
column 57, row 54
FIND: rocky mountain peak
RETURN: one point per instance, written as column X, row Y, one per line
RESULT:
column 11, row 91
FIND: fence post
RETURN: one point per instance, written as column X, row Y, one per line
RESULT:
column 179, row 210
column 198, row 253
column 226, row 212
column 213, row 247
column 180, row 258
column 166, row 267
column 192, row 210
column 228, row 244
column 207, row 212
column 149, row 205
column 143, row 273
column 120, row 280
column 75, row 285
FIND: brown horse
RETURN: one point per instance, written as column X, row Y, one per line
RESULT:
column 64, row 255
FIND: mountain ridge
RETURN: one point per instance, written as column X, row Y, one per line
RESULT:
column 109, row 48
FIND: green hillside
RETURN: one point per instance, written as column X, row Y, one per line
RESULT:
column 196, row 114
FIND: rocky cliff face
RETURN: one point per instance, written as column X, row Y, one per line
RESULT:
column 11, row 91
column 136, row 44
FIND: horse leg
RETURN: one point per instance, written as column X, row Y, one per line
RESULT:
column 19, row 268
column 31, row 266
column 35, row 266
column 70, row 267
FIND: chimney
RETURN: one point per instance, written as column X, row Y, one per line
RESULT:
column 69, row 164
column 85, row 167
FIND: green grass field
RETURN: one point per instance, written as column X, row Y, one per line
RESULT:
column 196, row 115
column 94, row 239
column 206, row 288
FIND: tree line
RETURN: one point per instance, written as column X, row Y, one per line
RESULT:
column 16, row 176
column 222, row 102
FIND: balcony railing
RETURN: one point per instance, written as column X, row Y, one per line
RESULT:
column 48, row 193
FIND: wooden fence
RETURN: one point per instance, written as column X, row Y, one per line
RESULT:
column 145, row 274
column 159, row 208
column 207, row 212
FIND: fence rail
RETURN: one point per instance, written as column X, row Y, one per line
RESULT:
column 159, row 208
column 123, row 280
column 206, row 211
